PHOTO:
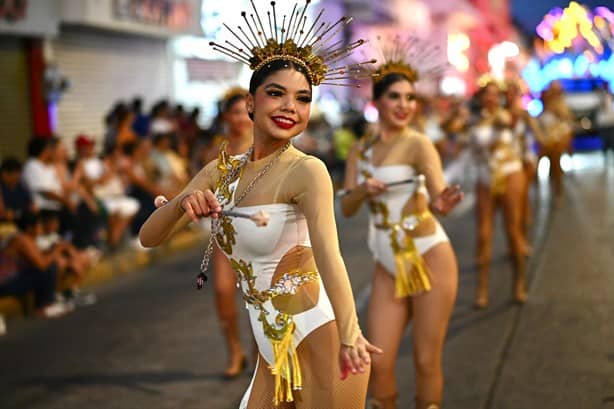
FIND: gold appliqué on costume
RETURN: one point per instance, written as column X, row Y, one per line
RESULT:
column 226, row 164
column 226, row 235
column 230, row 170
column 286, row 367
column 412, row 277
column 501, row 153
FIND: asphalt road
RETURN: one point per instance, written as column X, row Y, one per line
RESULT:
column 152, row 341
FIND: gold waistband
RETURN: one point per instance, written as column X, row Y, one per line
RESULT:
column 287, row 284
column 407, row 222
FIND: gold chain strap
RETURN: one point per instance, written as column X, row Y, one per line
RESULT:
column 231, row 176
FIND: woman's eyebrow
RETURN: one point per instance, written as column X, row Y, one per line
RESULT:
column 281, row 87
column 275, row 85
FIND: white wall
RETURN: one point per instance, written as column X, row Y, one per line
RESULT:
column 42, row 20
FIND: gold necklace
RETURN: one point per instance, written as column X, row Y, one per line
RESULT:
column 215, row 223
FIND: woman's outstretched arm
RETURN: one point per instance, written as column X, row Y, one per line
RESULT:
column 191, row 203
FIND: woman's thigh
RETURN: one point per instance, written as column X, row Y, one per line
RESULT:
column 432, row 310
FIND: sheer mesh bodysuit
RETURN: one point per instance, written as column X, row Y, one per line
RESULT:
column 296, row 259
column 395, row 200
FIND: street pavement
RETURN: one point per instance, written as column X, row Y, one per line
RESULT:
column 152, row 341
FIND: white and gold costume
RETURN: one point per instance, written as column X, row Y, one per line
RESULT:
column 394, row 199
column 401, row 227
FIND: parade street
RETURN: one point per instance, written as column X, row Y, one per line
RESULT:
column 153, row 341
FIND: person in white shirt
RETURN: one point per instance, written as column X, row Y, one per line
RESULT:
column 41, row 178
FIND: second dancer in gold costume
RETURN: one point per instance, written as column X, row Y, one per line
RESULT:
column 396, row 171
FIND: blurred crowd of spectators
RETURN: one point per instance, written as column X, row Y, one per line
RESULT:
column 61, row 212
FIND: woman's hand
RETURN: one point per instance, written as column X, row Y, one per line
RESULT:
column 200, row 204
column 354, row 359
column 374, row 187
column 447, row 200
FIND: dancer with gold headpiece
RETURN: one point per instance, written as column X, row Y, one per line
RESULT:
column 396, row 171
column 557, row 121
column 500, row 181
column 291, row 273
column 236, row 141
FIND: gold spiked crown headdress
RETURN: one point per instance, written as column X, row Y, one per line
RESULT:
column 405, row 56
column 313, row 47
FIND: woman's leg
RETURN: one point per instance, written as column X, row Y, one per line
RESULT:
column 556, row 175
column 262, row 390
column 112, row 229
column 485, row 213
column 431, row 314
column 225, row 283
column 322, row 385
column 386, row 334
column 511, row 200
column 527, row 216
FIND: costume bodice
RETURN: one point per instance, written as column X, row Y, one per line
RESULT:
column 394, row 199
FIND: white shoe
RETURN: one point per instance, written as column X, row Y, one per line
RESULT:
column 2, row 325
column 56, row 309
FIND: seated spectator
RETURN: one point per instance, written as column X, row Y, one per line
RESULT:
column 105, row 178
column 140, row 125
column 14, row 197
column 140, row 183
column 73, row 263
column 41, row 178
column 161, row 118
column 24, row 268
column 171, row 169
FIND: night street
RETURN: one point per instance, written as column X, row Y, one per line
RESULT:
column 152, row 341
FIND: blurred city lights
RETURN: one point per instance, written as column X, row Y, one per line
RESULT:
column 561, row 28
column 453, row 86
column 543, row 168
column 566, row 163
column 498, row 55
column 370, row 113
column 535, row 107
column 458, row 44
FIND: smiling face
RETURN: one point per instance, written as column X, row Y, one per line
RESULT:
column 397, row 105
column 281, row 105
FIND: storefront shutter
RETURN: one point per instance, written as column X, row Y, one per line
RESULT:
column 104, row 67
column 15, row 121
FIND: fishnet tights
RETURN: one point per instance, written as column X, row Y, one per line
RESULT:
column 322, row 384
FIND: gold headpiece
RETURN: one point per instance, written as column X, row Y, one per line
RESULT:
column 403, row 57
column 311, row 47
column 487, row 79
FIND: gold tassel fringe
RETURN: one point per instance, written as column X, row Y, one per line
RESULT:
column 411, row 272
column 287, row 370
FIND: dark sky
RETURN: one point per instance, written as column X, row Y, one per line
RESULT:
column 530, row 12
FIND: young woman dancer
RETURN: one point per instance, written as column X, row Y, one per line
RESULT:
column 238, row 139
column 415, row 272
column 557, row 122
column 291, row 273
column 500, row 181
